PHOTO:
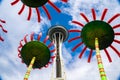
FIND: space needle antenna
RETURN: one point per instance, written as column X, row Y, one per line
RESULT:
column 58, row 34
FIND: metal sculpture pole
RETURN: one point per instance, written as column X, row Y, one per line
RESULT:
column 99, row 60
column 29, row 68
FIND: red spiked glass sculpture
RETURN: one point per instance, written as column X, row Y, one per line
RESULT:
column 96, row 28
column 5, row 31
column 97, row 35
column 35, row 4
column 35, row 53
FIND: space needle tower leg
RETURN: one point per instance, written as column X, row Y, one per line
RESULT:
column 58, row 34
column 58, row 57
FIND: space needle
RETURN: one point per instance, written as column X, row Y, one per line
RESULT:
column 58, row 34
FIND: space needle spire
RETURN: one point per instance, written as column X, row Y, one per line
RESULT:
column 58, row 34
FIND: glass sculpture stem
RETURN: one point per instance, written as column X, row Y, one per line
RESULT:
column 99, row 60
column 29, row 68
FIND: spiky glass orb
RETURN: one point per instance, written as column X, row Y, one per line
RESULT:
column 35, row 49
column 34, row 3
column 97, row 29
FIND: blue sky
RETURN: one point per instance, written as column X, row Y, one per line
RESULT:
column 119, row 1
column 119, row 78
column 11, row 67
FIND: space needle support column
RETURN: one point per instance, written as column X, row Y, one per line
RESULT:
column 99, row 60
column 29, row 68
column 58, row 43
